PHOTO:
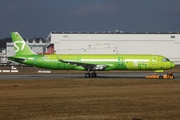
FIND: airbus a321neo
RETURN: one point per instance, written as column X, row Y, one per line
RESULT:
column 88, row 62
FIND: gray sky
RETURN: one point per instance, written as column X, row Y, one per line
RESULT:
column 37, row 18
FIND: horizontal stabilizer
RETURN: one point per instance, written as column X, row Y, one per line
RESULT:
column 20, row 60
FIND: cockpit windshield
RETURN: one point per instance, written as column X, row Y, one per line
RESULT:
column 165, row 59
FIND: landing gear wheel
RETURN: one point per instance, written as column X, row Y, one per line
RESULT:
column 160, row 77
column 93, row 74
column 87, row 75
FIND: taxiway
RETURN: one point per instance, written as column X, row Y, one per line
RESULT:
column 75, row 75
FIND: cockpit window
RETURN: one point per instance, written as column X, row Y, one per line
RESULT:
column 165, row 59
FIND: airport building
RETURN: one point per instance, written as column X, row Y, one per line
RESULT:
column 3, row 58
column 116, row 42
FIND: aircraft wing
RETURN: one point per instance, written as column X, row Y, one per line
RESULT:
column 87, row 66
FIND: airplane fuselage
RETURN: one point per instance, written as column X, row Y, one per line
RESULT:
column 113, row 62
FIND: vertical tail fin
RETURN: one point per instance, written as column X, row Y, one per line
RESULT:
column 20, row 46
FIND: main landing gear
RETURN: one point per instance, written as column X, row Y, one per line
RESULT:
column 87, row 75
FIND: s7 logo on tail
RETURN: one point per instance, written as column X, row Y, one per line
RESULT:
column 19, row 47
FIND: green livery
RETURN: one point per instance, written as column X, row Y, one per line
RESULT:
column 88, row 62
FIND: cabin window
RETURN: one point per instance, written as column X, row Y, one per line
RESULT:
column 165, row 59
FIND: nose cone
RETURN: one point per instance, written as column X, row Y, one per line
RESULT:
column 172, row 65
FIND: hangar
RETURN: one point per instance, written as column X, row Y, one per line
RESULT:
column 117, row 42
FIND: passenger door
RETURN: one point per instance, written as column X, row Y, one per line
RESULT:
column 154, row 60
column 120, row 61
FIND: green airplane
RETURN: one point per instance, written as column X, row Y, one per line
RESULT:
column 87, row 62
